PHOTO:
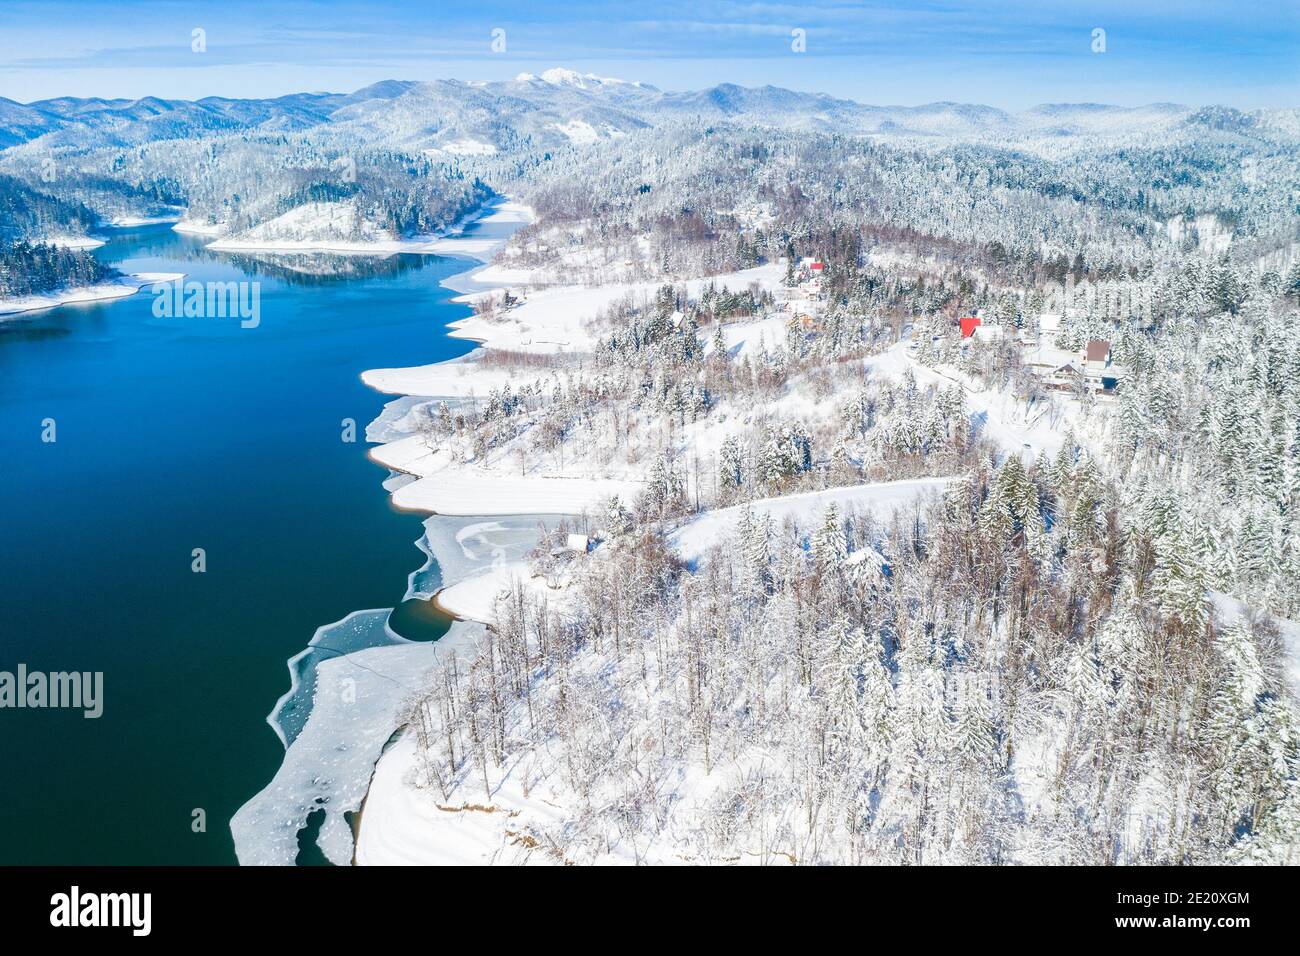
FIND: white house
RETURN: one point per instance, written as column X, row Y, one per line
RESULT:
column 1099, row 367
column 988, row 333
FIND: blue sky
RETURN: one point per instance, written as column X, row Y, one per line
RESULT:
column 1012, row 54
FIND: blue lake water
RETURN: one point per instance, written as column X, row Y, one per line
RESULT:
column 176, row 434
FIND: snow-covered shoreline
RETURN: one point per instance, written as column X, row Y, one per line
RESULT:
column 73, row 242
column 357, row 695
column 103, row 292
column 133, row 222
column 391, row 810
column 85, row 243
column 449, row 242
column 387, row 666
column 190, row 227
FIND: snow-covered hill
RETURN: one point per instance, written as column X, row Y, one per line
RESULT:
column 315, row 225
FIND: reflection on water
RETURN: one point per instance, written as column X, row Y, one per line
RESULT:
column 323, row 268
column 24, row 327
column 296, row 268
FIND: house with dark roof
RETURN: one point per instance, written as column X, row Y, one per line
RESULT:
column 1066, row 377
column 1099, row 366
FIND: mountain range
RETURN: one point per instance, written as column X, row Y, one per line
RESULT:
column 563, row 106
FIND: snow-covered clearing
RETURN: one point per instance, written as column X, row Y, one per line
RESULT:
column 996, row 415
column 749, row 339
column 693, row 539
column 463, row 147
column 558, row 319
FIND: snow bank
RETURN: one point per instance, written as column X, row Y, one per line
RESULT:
column 403, row 826
column 475, row 599
column 471, row 561
column 457, row 378
column 49, row 300
column 193, row 227
column 73, row 242
column 124, row 222
column 104, row 291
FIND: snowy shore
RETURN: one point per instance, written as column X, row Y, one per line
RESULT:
column 406, row 825
column 354, row 701
column 322, row 227
column 104, row 291
column 552, row 322
column 74, row 242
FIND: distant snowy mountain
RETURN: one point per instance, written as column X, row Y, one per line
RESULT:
column 71, row 121
column 19, row 123
column 545, row 112
column 558, row 107
column 559, row 76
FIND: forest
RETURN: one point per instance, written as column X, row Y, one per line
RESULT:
column 33, row 268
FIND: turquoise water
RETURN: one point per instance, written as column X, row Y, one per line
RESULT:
column 176, row 434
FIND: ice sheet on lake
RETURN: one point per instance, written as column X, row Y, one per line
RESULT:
column 397, row 479
column 356, row 701
column 459, row 548
column 348, row 687
column 396, row 420
column 399, row 417
column 358, row 631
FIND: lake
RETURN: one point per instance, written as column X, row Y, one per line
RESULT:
column 175, row 434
